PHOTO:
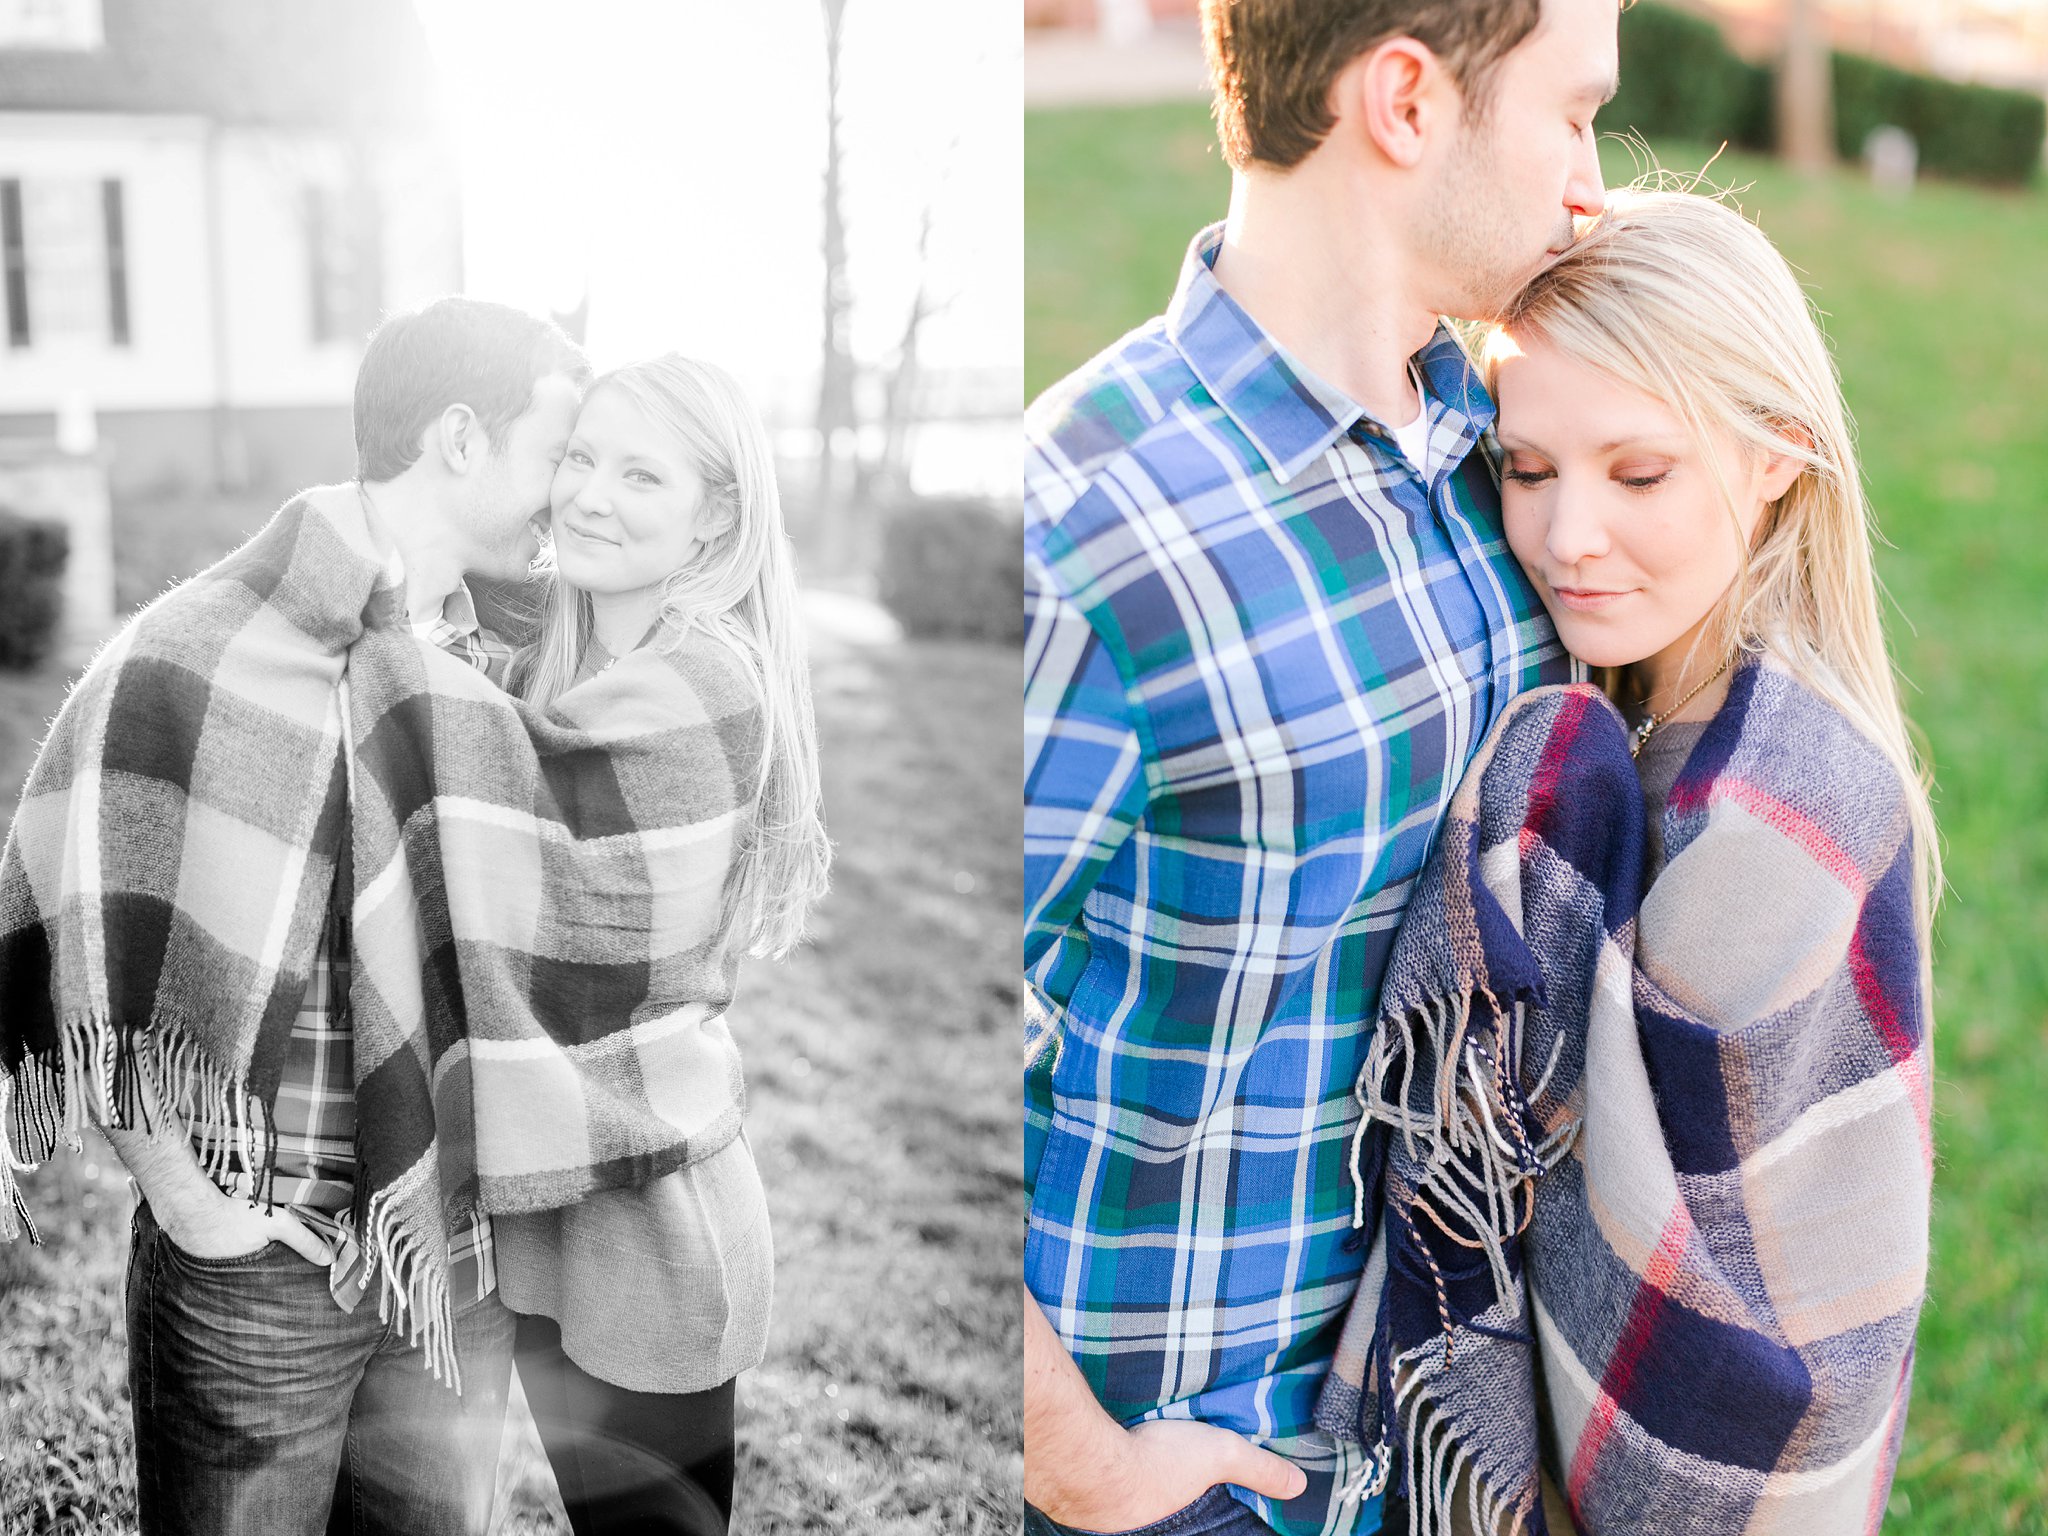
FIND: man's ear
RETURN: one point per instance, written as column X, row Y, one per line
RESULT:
column 457, row 440
column 1395, row 94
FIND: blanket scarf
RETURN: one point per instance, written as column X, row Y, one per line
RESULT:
column 541, row 961
column 1648, row 1171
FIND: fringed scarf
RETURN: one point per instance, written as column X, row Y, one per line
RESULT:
column 1648, row 1169
column 540, row 933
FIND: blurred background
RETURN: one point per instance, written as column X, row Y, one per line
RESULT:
column 1893, row 150
column 205, row 205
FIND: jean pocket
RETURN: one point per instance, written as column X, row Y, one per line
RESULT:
column 1207, row 1513
column 146, row 1225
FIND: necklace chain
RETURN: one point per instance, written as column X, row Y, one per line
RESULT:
column 1635, row 747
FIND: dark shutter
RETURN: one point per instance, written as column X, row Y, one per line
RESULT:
column 15, row 255
column 117, row 261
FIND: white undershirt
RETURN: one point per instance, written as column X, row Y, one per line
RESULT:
column 1413, row 439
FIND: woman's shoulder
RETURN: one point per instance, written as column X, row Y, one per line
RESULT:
column 1784, row 751
column 1582, row 709
column 714, row 671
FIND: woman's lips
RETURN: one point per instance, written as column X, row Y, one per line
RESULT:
column 1587, row 599
column 592, row 538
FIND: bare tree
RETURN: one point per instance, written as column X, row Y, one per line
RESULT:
column 1806, row 118
column 837, row 421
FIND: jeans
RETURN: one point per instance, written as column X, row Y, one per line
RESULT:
column 1215, row 1513
column 628, row 1463
column 263, row 1409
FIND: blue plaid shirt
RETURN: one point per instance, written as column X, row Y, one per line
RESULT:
column 1261, row 652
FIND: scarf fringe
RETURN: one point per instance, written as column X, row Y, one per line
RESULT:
column 96, row 1074
column 411, row 1284
column 1475, row 1145
column 99, row 1071
column 1434, row 1461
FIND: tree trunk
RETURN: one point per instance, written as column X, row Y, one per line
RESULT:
column 837, row 423
column 1806, row 118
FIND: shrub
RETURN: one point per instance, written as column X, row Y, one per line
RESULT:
column 1973, row 132
column 954, row 568
column 1680, row 80
column 32, row 553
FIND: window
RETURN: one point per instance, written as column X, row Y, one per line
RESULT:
column 50, row 24
column 65, row 247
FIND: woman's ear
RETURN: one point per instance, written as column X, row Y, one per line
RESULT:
column 720, row 517
column 1781, row 469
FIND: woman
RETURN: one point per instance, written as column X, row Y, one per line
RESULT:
column 1646, row 1119
column 640, row 1304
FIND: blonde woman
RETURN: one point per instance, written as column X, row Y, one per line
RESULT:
column 1645, row 1133
column 640, row 1304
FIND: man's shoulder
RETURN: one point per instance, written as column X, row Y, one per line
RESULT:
column 1091, row 420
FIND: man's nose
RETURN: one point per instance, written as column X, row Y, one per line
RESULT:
column 1584, row 194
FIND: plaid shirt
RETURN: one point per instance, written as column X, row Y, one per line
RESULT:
column 1261, row 652
column 315, row 1110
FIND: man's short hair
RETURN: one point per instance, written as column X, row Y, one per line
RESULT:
column 1272, row 62
column 454, row 351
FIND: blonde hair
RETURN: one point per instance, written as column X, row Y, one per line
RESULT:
column 1674, row 295
column 739, row 588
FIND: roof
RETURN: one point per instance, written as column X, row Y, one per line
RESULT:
column 338, row 64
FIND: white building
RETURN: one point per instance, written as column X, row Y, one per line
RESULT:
column 204, row 206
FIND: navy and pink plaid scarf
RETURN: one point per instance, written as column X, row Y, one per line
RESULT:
column 1649, row 1168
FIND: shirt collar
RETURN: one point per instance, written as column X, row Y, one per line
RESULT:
column 1290, row 415
column 457, row 614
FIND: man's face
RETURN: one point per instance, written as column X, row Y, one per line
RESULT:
column 1523, row 169
column 511, row 487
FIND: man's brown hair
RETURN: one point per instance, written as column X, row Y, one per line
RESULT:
column 454, row 351
column 1273, row 61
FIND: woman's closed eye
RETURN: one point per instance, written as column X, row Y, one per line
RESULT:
column 1528, row 473
column 1641, row 477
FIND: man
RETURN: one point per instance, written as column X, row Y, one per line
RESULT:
column 1272, row 615
column 273, row 1371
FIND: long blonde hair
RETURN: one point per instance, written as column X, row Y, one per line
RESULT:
column 739, row 588
column 1673, row 294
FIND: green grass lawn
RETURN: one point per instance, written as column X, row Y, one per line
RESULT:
column 882, row 1109
column 1938, row 311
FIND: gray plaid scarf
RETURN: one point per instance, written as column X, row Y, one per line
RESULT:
column 541, row 958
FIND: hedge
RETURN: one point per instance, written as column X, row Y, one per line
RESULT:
column 953, row 568
column 32, row 554
column 1972, row 132
column 1680, row 80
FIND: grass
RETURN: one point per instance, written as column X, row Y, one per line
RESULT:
column 1939, row 319
column 882, row 1109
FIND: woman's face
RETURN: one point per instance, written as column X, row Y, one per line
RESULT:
column 1615, row 512
column 627, row 508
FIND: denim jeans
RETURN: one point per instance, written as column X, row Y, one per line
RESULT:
column 263, row 1409
column 1215, row 1513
